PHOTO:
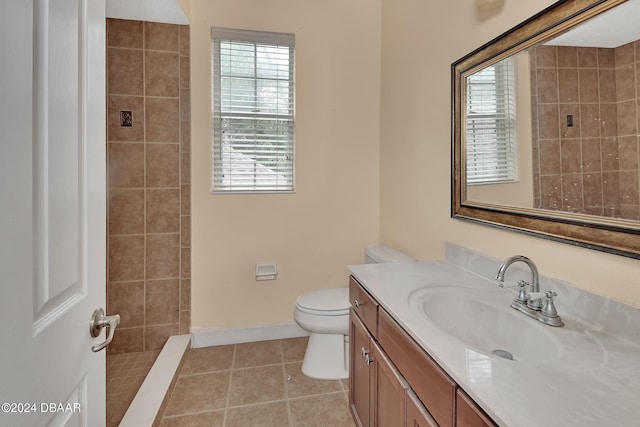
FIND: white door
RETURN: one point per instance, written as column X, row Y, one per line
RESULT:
column 52, row 214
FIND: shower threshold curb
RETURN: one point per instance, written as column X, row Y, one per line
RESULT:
column 148, row 405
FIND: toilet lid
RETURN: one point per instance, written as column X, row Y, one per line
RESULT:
column 335, row 299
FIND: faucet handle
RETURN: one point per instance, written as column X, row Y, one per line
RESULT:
column 549, row 308
column 522, row 296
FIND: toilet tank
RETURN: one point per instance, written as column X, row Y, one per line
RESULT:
column 384, row 253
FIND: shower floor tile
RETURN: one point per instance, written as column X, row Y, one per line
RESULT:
column 125, row 374
column 261, row 384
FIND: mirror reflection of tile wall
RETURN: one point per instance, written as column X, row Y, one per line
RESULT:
column 585, row 129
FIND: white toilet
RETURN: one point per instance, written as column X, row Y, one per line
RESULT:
column 325, row 314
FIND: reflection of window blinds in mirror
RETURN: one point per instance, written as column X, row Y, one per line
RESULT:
column 491, row 125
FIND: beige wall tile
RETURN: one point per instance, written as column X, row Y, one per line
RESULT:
column 115, row 132
column 547, row 85
column 606, row 58
column 185, row 136
column 185, row 70
column 184, row 40
column 546, row 56
column 185, row 231
column 567, row 85
column 124, row 72
column 588, row 85
column 185, row 168
column 572, row 197
column 162, row 166
column 185, row 294
column 627, row 118
column 592, row 183
column 607, row 82
column 185, row 263
column 624, row 54
column 161, row 74
column 162, row 299
column 127, row 340
column 124, row 33
column 591, row 155
column 163, row 211
column 158, row 36
column 185, row 322
column 125, row 165
column 587, row 57
column 548, row 114
column 162, row 120
column 126, row 211
column 185, row 201
column 567, row 57
column 127, row 300
column 126, row 258
column 162, row 256
column 625, row 80
column 156, row 336
column 571, row 156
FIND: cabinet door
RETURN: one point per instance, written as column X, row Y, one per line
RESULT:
column 417, row 414
column 360, row 374
column 430, row 383
column 390, row 390
column 469, row 414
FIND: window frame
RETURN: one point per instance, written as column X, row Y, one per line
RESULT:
column 222, row 154
column 504, row 92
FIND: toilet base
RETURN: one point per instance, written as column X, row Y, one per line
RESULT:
column 327, row 357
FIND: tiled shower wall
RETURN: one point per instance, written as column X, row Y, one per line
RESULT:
column 148, row 183
column 590, row 165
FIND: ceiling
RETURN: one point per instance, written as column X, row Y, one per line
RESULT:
column 166, row 11
column 610, row 29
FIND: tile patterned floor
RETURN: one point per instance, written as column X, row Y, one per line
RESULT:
column 254, row 384
column 125, row 374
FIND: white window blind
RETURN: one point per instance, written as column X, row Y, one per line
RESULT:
column 491, row 125
column 253, row 111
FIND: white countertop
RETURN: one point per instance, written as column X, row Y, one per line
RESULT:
column 595, row 380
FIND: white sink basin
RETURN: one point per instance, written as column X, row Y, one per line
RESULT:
column 484, row 321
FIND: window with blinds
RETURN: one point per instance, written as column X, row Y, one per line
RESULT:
column 253, row 111
column 491, row 132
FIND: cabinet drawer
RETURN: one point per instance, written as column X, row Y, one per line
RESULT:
column 430, row 383
column 364, row 305
column 469, row 414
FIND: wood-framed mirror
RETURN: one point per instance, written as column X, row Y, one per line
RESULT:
column 546, row 127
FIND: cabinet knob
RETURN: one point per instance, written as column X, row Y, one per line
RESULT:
column 364, row 352
column 368, row 360
column 356, row 303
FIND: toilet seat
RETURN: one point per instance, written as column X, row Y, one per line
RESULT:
column 325, row 302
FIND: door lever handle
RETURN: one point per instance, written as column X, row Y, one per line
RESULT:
column 99, row 321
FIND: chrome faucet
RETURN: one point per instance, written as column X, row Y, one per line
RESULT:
column 535, row 285
column 531, row 304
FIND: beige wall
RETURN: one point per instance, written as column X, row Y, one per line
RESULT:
column 419, row 42
column 312, row 234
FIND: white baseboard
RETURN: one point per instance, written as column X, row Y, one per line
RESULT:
column 212, row 337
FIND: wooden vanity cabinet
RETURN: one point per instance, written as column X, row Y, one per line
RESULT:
column 360, row 374
column 393, row 381
column 417, row 415
column 469, row 414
